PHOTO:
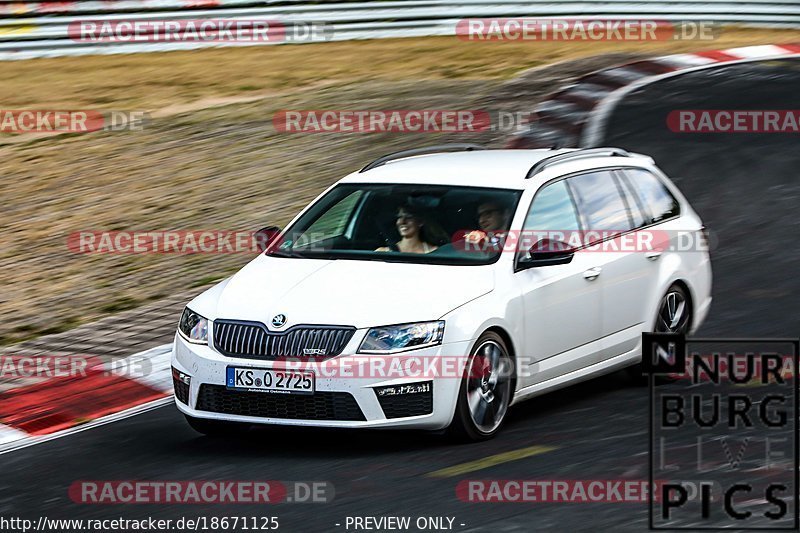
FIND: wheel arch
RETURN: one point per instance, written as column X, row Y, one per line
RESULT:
column 512, row 353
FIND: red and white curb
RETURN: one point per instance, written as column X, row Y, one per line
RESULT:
column 577, row 115
column 45, row 409
column 9, row 435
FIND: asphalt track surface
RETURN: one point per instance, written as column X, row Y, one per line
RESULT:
column 747, row 190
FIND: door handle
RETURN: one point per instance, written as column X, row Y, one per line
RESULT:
column 592, row 273
column 652, row 256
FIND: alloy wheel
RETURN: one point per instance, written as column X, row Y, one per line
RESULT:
column 673, row 314
column 488, row 387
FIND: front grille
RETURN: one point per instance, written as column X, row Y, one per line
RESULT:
column 181, row 390
column 400, row 403
column 254, row 340
column 317, row 406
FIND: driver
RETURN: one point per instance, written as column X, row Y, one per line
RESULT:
column 493, row 220
column 493, row 217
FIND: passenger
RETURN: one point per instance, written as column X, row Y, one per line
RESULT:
column 417, row 234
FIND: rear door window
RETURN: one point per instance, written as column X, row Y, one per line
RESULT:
column 654, row 194
column 640, row 216
column 600, row 202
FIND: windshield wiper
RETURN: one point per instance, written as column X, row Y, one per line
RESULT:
column 308, row 255
column 286, row 253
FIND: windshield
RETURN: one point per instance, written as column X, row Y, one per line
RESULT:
column 404, row 223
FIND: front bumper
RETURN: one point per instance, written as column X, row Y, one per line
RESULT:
column 207, row 367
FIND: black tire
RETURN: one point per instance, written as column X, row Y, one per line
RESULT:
column 491, row 392
column 216, row 428
column 669, row 319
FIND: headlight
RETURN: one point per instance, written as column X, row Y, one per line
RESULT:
column 193, row 327
column 393, row 339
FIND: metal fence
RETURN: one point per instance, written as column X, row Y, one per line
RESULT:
column 42, row 28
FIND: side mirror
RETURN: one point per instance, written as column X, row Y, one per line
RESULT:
column 546, row 252
column 266, row 236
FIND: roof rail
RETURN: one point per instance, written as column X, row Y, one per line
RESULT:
column 422, row 151
column 575, row 154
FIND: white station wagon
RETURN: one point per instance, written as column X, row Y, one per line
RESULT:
column 434, row 288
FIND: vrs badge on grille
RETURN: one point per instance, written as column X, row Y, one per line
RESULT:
column 314, row 351
column 278, row 320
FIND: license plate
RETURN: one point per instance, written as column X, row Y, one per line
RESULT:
column 275, row 381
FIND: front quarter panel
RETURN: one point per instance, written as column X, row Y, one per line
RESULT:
column 500, row 309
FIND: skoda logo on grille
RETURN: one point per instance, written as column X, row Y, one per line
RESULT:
column 278, row 320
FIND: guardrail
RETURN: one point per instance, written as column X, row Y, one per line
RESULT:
column 42, row 29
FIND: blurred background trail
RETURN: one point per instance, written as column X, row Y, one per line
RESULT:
column 210, row 158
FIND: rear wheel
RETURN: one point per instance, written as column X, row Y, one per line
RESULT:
column 674, row 315
column 485, row 391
